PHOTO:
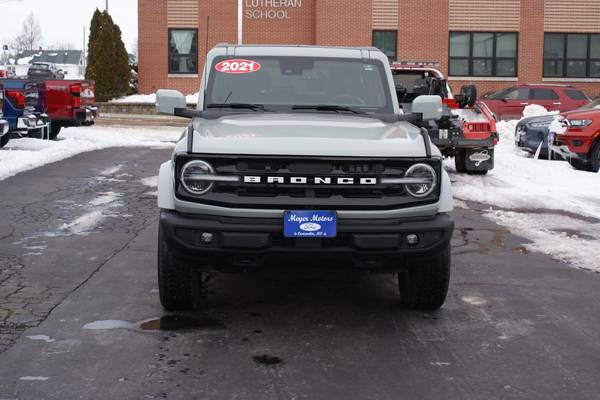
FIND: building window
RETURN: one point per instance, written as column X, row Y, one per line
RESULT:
column 571, row 55
column 386, row 41
column 483, row 54
column 183, row 51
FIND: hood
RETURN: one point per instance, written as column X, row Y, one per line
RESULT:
column 307, row 134
column 538, row 118
column 582, row 114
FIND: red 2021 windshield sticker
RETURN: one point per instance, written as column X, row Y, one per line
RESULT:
column 237, row 66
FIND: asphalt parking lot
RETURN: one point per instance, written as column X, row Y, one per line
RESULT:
column 78, row 249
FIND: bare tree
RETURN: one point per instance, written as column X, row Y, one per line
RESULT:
column 31, row 36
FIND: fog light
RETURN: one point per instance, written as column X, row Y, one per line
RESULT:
column 207, row 238
column 412, row 239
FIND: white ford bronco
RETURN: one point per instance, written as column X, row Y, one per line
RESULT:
column 300, row 157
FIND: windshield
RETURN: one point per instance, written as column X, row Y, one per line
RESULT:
column 500, row 95
column 296, row 83
column 40, row 66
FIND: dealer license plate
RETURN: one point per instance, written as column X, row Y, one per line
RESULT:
column 310, row 224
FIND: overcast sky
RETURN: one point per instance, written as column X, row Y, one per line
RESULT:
column 63, row 20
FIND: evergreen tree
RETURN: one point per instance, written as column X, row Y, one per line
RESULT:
column 92, row 59
column 108, row 63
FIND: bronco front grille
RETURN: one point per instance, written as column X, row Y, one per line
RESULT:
column 285, row 195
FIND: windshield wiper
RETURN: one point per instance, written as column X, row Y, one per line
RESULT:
column 239, row 106
column 327, row 107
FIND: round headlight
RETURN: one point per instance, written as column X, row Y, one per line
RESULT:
column 192, row 175
column 426, row 177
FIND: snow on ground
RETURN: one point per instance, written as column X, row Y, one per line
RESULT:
column 110, row 324
column 34, row 378
column 25, row 154
column 151, row 181
column 547, row 202
column 43, row 338
column 151, row 99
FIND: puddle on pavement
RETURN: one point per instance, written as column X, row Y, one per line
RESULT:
column 266, row 359
column 176, row 322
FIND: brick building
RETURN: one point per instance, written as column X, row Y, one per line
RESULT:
column 493, row 43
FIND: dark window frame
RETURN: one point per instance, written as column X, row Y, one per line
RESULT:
column 494, row 59
column 565, row 60
column 169, row 54
column 395, row 32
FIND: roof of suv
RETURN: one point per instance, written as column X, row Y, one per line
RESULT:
column 299, row 50
column 554, row 85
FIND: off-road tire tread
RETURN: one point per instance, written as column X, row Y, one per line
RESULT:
column 579, row 165
column 459, row 162
column 424, row 285
column 174, row 279
column 54, row 131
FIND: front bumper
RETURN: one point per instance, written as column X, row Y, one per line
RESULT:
column 246, row 243
column 87, row 115
column 528, row 138
column 30, row 122
column 566, row 153
column 463, row 143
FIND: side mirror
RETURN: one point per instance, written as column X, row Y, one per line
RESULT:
column 169, row 100
column 505, row 100
column 430, row 107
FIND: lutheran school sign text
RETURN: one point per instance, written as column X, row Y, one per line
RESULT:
column 270, row 9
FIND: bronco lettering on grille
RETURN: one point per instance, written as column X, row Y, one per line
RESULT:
column 304, row 180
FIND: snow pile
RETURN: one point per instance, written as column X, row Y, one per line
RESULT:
column 566, row 239
column 25, row 154
column 535, row 110
column 25, row 60
column 151, row 99
column 537, row 193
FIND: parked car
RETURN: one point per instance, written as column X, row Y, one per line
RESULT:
column 532, row 131
column 301, row 157
column 509, row 103
column 4, row 126
column 69, row 103
column 23, row 110
column 7, row 71
column 467, row 129
column 579, row 139
column 44, row 70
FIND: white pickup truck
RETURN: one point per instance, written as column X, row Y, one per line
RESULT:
column 300, row 157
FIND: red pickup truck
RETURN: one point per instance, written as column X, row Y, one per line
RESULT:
column 579, row 139
column 69, row 103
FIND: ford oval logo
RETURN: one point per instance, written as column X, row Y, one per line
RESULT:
column 310, row 227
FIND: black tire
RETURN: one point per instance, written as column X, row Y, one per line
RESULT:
column 54, row 131
column 579, row 165
column 4, row 140
column 469, row 93
column 424, row 284
column 174, row 278
column 595, row 157
column 459, row 162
